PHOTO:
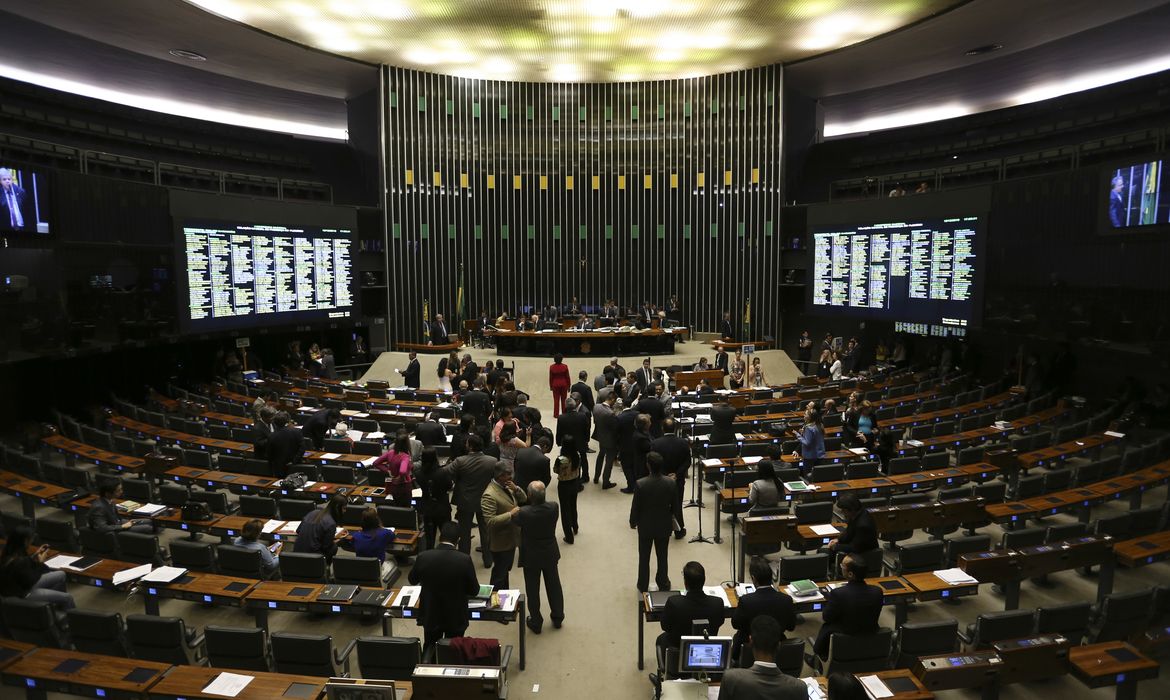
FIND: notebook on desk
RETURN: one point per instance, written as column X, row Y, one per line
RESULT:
column 371, row 596
column 658, row 598
column 337, row 593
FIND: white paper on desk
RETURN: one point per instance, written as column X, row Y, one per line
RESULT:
column 329, row 455
column 348, row 412
column 416, row 492
column 131, row 574
column 164, row 574
column 290, row 527
column 913, row 443
column 1114, row 434
column 408, row 595
column 688, row 689
column 309, row 485
column 150, row 509
column 444, row 404
column 354, row 435
column 739, row 436
column 450, row 438
column 955, row 577
column 824, row 530
column 752, row 460
column 508, row 599
column 272, row 526
column 376, row 435
column 712, row 462
column 228, row 684
column 875, row 688
column 306, row 409
column 61, row 561
column 369, row 462
column 859, row 450
column 719, row 593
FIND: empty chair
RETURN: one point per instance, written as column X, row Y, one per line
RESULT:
column 916, row 639
column 303, row 567
column 140, row 548
column 197, row 458
column 958, row 546
column 240, row 648
column 944, row 427
column 1057, row 480
column 827, row 472
column 164, row 639
column 1029, row 487
column 98, row 544
column 338, row 474
column 391, row 658
column 11, row 521
column 1144, row 521
column 936, row 460
column 173, row 495
column 193, row 555
column 338, row 445
column 32, row 622
column 1070, row 620
column 904, row 465
column 971, row 455
column 1087, row 474
column 398, row 517
column 1114, row 525
column 240, row 562
column 858, row 653
column 991, row 493
column 309, row 655
column 217, row 501
column 861, row 470
column 257, row 506
column 98, row 632
column 798, row 567
column 1122, row 614
column 915, row 558
column 295, row 508
column 364, row 571
column 1059, row 533
column 58, row 534
column 1017, row 539
column 139, row 490
column 992, row 627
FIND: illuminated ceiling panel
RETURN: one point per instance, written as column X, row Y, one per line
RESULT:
column 576, row 40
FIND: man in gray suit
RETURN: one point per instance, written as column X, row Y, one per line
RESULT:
column 605, row 432
column 539, row 555
column 653, row 514
column 763, row 681
column 471, row 474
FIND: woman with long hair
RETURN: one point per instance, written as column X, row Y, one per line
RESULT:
column 757, row 379
column 558, row 383
column 812, row 439
column 511, row 443
column 568, row 484
column 396, row 462
column 766, row 490
column 825, row 364
column 436, row 487
column 24, row 575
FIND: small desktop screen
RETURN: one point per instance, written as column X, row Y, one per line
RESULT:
column 704, row 654
column 24, row 200
column 1134, row 196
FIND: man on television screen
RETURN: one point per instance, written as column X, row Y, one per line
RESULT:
column 1116, row 205
column 14, row 204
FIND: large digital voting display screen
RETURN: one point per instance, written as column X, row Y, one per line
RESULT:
column 913, row 269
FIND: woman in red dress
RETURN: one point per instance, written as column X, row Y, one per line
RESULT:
column 558, row 381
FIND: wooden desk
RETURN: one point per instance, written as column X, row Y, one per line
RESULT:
column 186, row 440
column 654, row 341
column 11, row 651
column 931, row 587
column 189, row 682
column 713, row 377
column 915, row 516
column 517, row 615
column 973, row 669
column 41, row 672
column 94, row 455
column 194, row 586
column 443, row 348
column 897, row 675
column 1051, row 456
column 31, row 493
column 1010, row 567
column 1112, row 663
column 1140, row 551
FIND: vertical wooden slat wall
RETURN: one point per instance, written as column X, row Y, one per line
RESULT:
column 545, row 191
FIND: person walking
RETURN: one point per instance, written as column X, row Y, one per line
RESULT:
column 539, row 555
column 568, row 485
column 652, row 514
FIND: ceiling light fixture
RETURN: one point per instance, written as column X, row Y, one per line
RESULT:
column 980, row 50
column 189, row 55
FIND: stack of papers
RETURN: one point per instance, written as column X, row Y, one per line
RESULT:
column 289, row 528
column 1114, row 434
column 150, row 509
column 354, row 435
column 859, row 450
column 61, row 561
column 742, row 589
column 376, row 435
column 164, row 574
column 955, row 577
column 508, row 599
column 330, row 455
column 719, row 593
column 703, row 418
column 407, row 597
column 824, row 530
column 712, row 462
column 751, row 460
column 228, row 685
column 131, row 574
column 272, row 526
column 875, row 688
column 128, row 506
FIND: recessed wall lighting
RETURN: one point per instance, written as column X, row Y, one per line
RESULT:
column 980, row 50
column 189, row 55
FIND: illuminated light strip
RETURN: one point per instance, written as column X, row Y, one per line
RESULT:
column 179, row 109
column 907, row 117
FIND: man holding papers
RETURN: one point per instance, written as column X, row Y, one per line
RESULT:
column 850, row 609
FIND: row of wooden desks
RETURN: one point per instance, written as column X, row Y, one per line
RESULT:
column 1009, row 567
column 33, row 493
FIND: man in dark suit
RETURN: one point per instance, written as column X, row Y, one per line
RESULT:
column 497, row 375
column 639, row 447
column 605, row 432
column 1116, row 204
column 478, row 402
column 532, row 464
column 721, row 360
column 318, row 425
column 652, row 514
column 645, row 376
column 850, row 609
column 624, row 428
column 470, row 475
column 448, row 580
column 575, row 423
column 583, row 390
column 584, row 323
column 765, row 601
column 762, row 680
column 539, row 554
column 725, row 330
column 645, row 315
column 286, row 447
column 860, row 534
column 411, row 373
column 676, row 461
column 723, row 424
column 262, row 431
column 682, row 611
column 469, row 371
column 654, row 407
column 15, row 210
column 438, row 331
column 103, row 514
column 430, row 432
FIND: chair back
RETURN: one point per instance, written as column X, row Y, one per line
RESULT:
column 1016, row 539
column 98, row 544
column 295, row 508
column 140, row 547
column 1070, row 620
column 816, row 513
column 58, row 534
column 958, row 546
column 32, row 622
column 797, row 567
column 302, row 654
column 858, row 653
column 303, row 567
column 242, row 648
column 1122, row 614
column 827, row 472
column 196, row 556
column 359, row 571
column 257, row 506
column 926, row 639
column 1004, row 624
column 392, row 658
column 238, row 561
column 790, row 657
column 98, row 632
column 155, row 638
column 920, row 556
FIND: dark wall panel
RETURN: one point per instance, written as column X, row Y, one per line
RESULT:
column 544, row 191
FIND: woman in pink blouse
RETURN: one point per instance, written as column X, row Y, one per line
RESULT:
column 397, row 465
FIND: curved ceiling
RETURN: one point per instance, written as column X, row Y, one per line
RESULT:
column 577, row 40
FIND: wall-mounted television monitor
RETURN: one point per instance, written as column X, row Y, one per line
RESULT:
column 1132, row 196
column 24, row 200
column 920, row 269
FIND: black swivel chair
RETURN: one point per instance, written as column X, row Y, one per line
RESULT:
column 391, row 658
column 165, row 639
column 364, row 571
column 245, row 649
column 303, row 567
column 309, row 655
column 239, row 562
column 915, row 558
column 916, row 639
column 992, row 627
column 98, row 632
column 196, row 556
column 1070, row 620
column 32, row 622
column 140, row 548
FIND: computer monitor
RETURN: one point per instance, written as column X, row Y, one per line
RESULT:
column 704, row 654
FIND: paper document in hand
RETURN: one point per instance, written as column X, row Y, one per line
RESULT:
column 955, row 577
column 407, row 597
column 340, row 531
column 752, row 460
column 228, row 684
column 60, row 561
column 824, row 530
column 354, row 435
column 369, row 462
column 164, row 574
column 272, row 526
column 131, row 574
column 875, row 688
column 719, row 593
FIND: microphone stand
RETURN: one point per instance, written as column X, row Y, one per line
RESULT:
column 697, row 485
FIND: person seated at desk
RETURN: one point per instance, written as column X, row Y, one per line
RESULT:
column 373, row 539
column 447, row 578
column 24, row 575
column 103, row 514
column 683, row 610
column 762, row 680
column 585, row 323
column 317, row 533
column 765, row 601
column 850, row 609
column 250, row 539
column 860, row 534
column 532, row 324
column 701, row 365
column 765, row 491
